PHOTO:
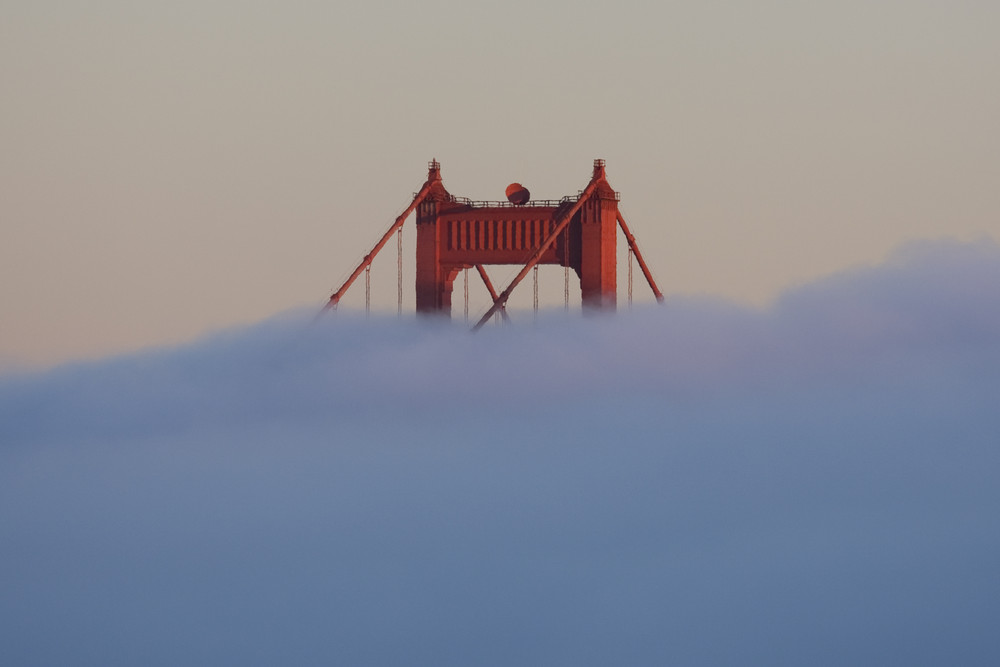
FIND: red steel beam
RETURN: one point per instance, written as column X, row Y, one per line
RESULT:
column 501, row 300
column 493, row 292
column 638, row 257
column 419, row 197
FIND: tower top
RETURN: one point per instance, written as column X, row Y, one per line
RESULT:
column 434, row 170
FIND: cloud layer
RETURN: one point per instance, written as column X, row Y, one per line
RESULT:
column 696, row 484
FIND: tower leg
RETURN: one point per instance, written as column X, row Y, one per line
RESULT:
column 598, row 254
column 433, row 280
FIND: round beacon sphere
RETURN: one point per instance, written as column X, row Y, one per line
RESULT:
column 517, row 194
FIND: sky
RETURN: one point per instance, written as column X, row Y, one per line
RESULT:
column 702, row 483
column 169, row 169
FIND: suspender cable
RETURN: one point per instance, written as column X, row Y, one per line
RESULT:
column 630, row 277
column 638, row 257
column 566, row 288
column 535, row 271
column 566, row 270
column 366, row 262
column 368, row 289
column 399, row 272
column 465, row 275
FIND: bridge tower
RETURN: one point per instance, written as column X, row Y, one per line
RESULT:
column 455, row 233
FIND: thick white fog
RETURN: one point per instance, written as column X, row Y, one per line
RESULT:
column 692, row 484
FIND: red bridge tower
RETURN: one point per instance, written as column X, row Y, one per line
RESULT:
column 455, row 233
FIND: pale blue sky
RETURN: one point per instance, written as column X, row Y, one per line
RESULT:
column 169, row 168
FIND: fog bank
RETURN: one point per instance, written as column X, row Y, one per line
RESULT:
column 692, row 484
